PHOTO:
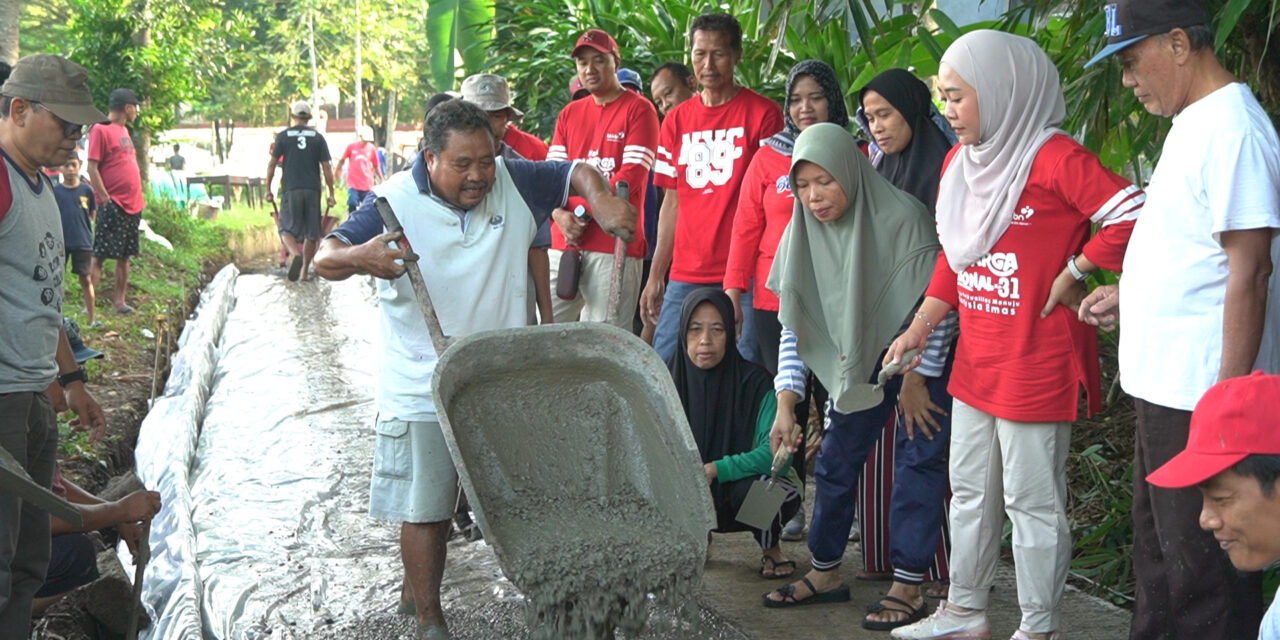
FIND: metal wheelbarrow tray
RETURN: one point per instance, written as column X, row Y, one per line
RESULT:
column 576, row 454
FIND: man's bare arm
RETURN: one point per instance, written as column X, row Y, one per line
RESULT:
column 1244, row 311
column 336, row 260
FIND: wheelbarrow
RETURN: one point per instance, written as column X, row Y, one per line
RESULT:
column 573, row 447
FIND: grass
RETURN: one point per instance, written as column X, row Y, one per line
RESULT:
column 162, row 282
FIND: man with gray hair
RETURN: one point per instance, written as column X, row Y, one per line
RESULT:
column 470, row 216
column 1198, row 298
column 44, row 106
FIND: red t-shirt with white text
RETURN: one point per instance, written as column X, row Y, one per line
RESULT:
column 703, row 153
column 618, row 138
column 1010, row 362
column 765, row 206
column 112, row 148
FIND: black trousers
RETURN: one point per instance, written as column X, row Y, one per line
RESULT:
column 729, row 496
column 1186, row 585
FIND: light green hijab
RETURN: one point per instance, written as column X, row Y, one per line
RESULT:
column 845, row 287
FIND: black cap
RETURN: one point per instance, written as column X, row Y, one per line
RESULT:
column 1129, row 21
column 120, row 97
column 82, row 353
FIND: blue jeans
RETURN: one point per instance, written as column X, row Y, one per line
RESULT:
column 918, row 506
column 665, row 336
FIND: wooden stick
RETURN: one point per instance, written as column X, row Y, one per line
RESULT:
column 389, row 220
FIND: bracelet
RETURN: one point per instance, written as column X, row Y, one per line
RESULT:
column 78, row 375
column 1075, row 271
column 922, row 316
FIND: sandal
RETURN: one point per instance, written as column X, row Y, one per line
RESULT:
column 769, row 568
column 124, row 310
column 788, row 593
column 913, row 614
column 938, row 591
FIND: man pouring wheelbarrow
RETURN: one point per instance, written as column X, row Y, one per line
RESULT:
column 471, row 218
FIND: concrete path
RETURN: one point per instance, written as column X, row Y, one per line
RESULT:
column 732, row 589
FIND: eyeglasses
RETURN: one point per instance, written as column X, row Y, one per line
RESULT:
column 69, row 129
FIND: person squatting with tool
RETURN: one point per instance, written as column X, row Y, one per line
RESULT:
column 730, row 405
column 471, row 217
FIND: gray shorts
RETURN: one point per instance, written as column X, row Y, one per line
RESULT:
column 413, row 475
column 300, row 214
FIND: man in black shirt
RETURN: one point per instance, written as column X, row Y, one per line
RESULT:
column 305, row 155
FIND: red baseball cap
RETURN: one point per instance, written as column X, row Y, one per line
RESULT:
column 1234, row 419
column 575, row 86
column 601, row 41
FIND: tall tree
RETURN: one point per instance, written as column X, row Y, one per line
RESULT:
column 10, row 14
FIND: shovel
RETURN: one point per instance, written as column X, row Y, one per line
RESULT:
column 143, row 556
column 623, row 190
column 765, row 498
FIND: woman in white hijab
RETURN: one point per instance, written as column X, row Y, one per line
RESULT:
column 1015, row 207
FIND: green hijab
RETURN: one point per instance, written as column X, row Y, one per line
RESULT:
column 845, row 287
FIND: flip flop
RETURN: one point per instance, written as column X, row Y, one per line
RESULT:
column 124, row 310
column 938, row 591
column 295, row 268
column 788, row 593
column 913, row 614
column 432, row 632
column 768, row 564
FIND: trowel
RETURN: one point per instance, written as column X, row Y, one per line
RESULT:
column 765, row 498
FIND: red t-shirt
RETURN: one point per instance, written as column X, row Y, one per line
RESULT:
column 112, row 148
column 765, row 205
column 1010, row 363
column 361, row 158
column 529, row 146
column 703, row 153
column 617, row 138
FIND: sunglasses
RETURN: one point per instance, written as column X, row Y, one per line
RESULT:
column 69, row 129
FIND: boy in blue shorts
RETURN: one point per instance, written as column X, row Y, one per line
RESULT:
column 78, row 208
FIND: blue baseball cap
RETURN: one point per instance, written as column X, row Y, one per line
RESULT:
column 629, row 77
column 1129, row 21
column 82, row 353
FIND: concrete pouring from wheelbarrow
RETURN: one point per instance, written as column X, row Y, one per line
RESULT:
column 286, row 550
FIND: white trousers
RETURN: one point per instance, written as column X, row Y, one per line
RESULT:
column 1025, row 464
column 592, row 303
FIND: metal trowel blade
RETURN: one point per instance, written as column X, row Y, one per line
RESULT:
column 764, row 499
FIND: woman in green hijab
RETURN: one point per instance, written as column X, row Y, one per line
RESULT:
column 849, row 270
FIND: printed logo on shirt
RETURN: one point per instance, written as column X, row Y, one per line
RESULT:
column 84, row 202
column 1022, row 217
column 495, row 222
column 606, row 165
column 783, row 184
column 48, row 271
column 615, row 137
column 708, row 156
column 998, row 291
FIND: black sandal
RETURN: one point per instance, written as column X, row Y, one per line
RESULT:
column 913, row 614
column 772, row 566
column 788, row 593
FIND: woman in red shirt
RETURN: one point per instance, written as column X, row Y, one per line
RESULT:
column 765, row 203
column 1015, row 206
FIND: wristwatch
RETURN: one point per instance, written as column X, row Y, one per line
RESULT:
column 75, row 376
column 1075, row 271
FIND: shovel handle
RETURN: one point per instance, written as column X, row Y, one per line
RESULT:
column 392, row 224
column 623, row 190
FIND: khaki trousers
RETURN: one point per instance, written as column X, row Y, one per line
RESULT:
column 592, row 303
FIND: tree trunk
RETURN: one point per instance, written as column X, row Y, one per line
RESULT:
column 142, row 137
column 10, row 12
column 218, row 147
column 389, row 136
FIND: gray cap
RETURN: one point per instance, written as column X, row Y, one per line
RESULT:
column 59, row 84
column 301, row 109
column 489, row 92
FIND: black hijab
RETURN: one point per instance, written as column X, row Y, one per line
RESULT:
column 917, row 168
column 723, row 402
column 837, row 112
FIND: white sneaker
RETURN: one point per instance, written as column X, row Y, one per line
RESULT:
column 1022, row 635
column 947, row 624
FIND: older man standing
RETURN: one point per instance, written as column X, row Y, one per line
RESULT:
column 1198, row 300
column 44, row 106
column 704, row 147
column 471, row 216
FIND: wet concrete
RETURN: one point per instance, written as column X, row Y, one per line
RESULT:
column 287, row 550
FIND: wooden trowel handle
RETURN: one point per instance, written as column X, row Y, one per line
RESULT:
column 623, row 190
column 783, row 454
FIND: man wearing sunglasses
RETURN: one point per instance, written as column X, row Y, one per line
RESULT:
column 42, row 107
column 113, row 172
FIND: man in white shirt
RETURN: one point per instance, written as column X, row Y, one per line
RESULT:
column 1198, row 300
